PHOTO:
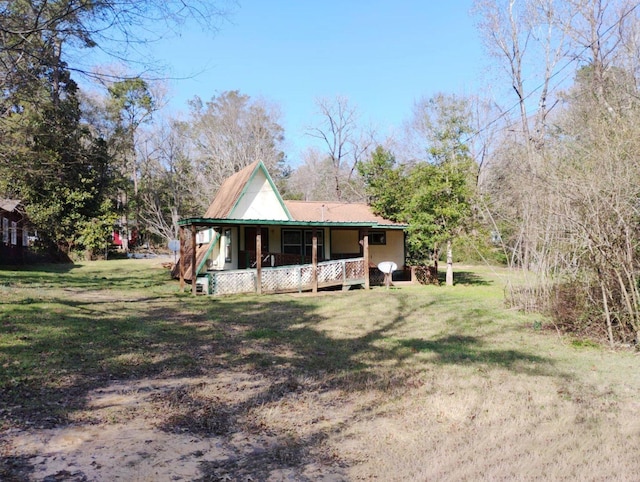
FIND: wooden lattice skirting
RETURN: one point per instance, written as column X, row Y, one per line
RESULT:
column 283, row 279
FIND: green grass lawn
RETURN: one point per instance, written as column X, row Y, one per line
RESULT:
column 414, row 382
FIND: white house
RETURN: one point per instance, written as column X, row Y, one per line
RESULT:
column 249, row 229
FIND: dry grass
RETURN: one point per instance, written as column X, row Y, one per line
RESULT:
column 106, row 371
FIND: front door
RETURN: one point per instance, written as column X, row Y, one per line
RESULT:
column 250, row 245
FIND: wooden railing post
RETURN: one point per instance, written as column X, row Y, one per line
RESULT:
column 182, row 251
column 194, row 268
column 259, row 260
column 365, row 249
column 314, row 261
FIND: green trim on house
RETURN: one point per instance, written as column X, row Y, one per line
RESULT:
column 273, row 222
column 208, row 253
column 271, row 183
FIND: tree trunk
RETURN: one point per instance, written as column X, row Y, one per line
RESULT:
column 436, row 255
column 449, row 278
column 607, row 313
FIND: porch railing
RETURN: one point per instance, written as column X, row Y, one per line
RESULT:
column 284, row 279
column 248, row 259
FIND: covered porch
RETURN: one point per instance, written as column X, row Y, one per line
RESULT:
column 264, row 257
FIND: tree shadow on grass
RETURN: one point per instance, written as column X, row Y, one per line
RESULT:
column 73, row 276
column 81, row 346
column 464, row 278
column 466, row 350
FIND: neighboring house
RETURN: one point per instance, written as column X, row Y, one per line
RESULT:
column 254, row 240
column 14, row 238
column 122, row 241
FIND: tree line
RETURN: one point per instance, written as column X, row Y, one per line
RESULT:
column 539, row 172
column 560, row 180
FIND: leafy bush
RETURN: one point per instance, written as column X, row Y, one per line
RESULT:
column 95, row 235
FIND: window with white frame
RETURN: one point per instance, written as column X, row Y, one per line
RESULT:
column 204, row 236
column 14, row 233
column 5, row 230
column 227, row 246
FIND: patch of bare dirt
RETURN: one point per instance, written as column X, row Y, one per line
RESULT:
column 177, row 429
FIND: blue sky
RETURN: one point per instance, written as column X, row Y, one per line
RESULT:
column 383, row 55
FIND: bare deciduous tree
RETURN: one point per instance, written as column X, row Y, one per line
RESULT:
column 346, row 143
column 308, row 182
column 230, row 132
column 168, row 182
column 563, row 189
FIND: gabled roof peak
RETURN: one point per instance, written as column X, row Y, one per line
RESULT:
column 239, row 198
column 234, row 188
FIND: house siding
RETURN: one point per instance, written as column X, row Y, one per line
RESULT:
column 345, row 241
column 259, row 201
column 224, row 241
column 217, row 259
column 393, row 250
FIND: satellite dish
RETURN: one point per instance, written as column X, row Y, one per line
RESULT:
column 387, row 267
column 174, row 245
